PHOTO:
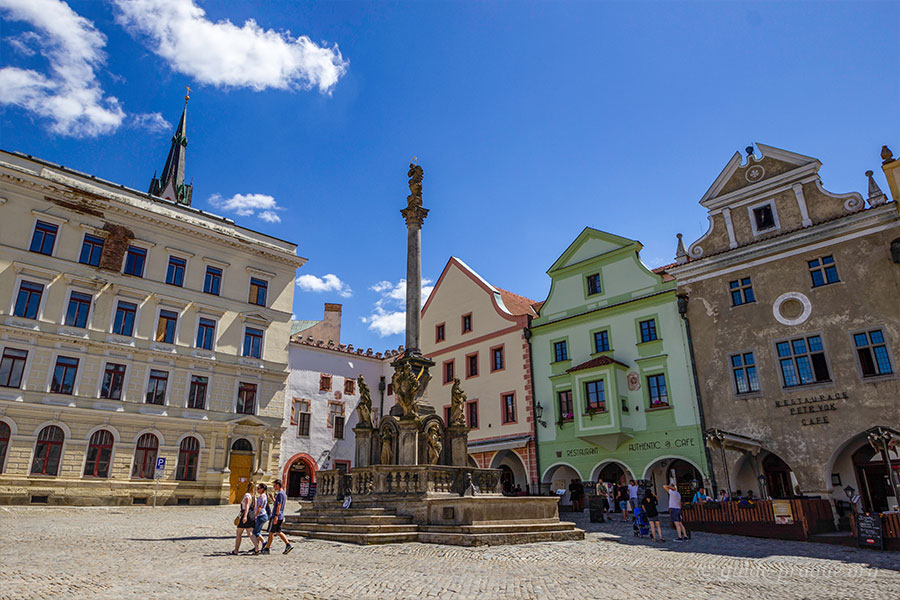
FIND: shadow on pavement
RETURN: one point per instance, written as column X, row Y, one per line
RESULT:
column 183, row 539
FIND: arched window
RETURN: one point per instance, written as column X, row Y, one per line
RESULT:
column 242, row 445
column 48, row 451
column 4, row 442
column 145, row 457
column 98, row 455
column 188, row 458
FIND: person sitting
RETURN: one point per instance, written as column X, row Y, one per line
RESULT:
column 723, row 496
column 700, row 496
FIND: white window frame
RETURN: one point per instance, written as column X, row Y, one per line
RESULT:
column 169, row 381
column 752, row 217
column 128, row 369
column 68, row 298
column 214, row 319
column 81, row 355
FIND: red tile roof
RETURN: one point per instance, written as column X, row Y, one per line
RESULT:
column 516, row 304
column 600, row 361
column 663, row 271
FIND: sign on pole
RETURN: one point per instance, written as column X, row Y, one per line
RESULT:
column 160, row 467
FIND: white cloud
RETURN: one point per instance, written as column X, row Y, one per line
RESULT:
column 246, row 205
column 70, row 96
column 326, row 283
column 223, row 54
column 389, row 313
column 153, row 122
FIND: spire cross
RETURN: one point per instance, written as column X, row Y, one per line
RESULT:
column 187, row 95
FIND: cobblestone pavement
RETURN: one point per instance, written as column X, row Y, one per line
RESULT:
column 180, row 552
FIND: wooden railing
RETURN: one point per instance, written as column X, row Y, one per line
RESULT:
column 810, row 516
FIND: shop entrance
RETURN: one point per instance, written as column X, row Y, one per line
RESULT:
column 612, row 473
column 871, row 474
column 778, row 477
column 240, row 465
column 299, row 478
column 686, row 477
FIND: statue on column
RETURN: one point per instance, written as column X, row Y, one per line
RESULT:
column 415, row 175
column 364, row 408
column 406, row 388
column 457, row 405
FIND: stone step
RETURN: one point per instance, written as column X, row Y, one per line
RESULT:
column 342, row 528
column 499, row 529
column 359, row 538
column 499, row 539
column 345, row 512
column 350, row 519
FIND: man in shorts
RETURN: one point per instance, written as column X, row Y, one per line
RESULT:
column 675, row 513
column 277, row 519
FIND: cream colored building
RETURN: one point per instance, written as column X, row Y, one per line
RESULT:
column 477, row 332
column 135, row 327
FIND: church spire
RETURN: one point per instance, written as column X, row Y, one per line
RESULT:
column 170, row 184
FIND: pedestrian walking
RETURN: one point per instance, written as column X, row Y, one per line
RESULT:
column 244, row 521
column 632, row 494
column 648, row 503
column 675, row 513
column 277, row 519
column 576, row 494
column 260, row 516
column 622, row 497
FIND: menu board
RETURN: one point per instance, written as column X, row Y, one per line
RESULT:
column 783, row 513
column 868, row 531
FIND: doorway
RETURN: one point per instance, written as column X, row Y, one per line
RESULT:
column 241, row 466
column 778, row 477
column 507, row 480
column 298, row 480
column 871, row 474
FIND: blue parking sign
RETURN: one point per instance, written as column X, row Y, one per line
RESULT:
column 160, row 464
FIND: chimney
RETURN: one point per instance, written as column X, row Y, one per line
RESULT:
column 331, row 322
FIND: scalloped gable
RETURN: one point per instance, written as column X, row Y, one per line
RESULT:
column 773, row 161
column 591, row 243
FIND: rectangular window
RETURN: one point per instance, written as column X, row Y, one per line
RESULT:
column 12, row 366
column 134, row 261
column 802, row 361
column 764, row 217
column 648, row 330
column 595, row 396
column 64, row 375
column 497, row 358
column 213, row 281
column 390, row 389
column 560, row 351
column 324, row 383
column 440, row 332
column 113, row 381
column 509, row 408
column 91, row 249
column 246, row 402
column 564, row 401
column 823, row 271
column 656, row 386
column 467, row 323
column 472, row 365
column 79, row 308
column 743, row 368
column 448, row 371
column 350, row 386
column 123, row 324
column 175, row 272
column 258, row 290
column 472, row 414
column 339, row 427
column 44, row 237
column 165, row 328
column 593, row 284
column 206, row 333
column 303, row 420
column 298, row 405
column 29, row 300
column 741, row 291
column 156, row 387
column 253, row 342
column 871, row 349
column 197, row 392
column 335, row 409
column 601, row 341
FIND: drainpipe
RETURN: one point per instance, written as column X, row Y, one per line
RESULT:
column 682, row 310
column 537, row 456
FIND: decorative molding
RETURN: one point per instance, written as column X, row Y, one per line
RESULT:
column 801, row 203
column 798, row 320
column 729, row 227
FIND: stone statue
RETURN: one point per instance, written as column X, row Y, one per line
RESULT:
column 406, row 387
column 387, row 447
column 415, row 185
column 433, row 439
column 364, row 408
column 457, row 405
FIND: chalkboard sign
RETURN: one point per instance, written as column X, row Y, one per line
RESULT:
column 868, row 531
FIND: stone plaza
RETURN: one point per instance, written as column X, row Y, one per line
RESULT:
column 178, row 552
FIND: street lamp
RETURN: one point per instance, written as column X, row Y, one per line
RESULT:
column 849, row 491
column 538, row 413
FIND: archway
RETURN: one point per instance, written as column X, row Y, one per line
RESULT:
column 511, row 463
column 765, row 475
column 557, row 479
column 472, row 462
column 299, row 476
column 778, row 477
column 858, row 468
column 663, row 470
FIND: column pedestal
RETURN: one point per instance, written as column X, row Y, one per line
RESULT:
column 363, row 445
column 459, row 446
column 408, row 444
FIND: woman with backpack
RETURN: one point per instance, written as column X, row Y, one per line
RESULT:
column 260, row 516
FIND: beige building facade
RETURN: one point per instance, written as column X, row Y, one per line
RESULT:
column 795, row 326
column 476, row 332
column 135, row 328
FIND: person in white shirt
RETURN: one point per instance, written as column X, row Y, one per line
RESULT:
column 245, row 521
column 632, row 494
column 675, row 512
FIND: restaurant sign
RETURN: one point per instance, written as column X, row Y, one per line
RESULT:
column 812, row 407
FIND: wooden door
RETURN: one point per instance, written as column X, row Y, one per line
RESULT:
column 240, row 466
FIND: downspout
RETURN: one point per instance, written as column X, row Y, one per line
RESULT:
column 682, row 310
column 537, row 455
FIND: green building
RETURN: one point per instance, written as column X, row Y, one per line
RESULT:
column 612, row 372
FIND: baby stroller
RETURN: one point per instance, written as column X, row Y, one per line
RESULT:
column 639, row 522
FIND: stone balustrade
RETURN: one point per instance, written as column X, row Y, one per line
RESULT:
column 407, row 481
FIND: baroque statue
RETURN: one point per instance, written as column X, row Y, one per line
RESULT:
column 406, row 388
column 364, row 408
column 415, row 175
column 387, row 447
column 433, row 439
column 457, row 405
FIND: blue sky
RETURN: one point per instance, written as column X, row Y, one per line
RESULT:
column 531, row 120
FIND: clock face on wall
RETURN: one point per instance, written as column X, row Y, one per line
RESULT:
column 754, row 173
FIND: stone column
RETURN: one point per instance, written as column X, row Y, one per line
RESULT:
column 363, row 445
column 408, row 444
column 415, row 216
column 459, row 446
